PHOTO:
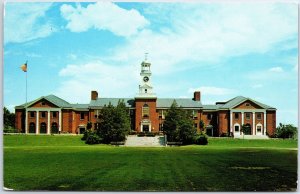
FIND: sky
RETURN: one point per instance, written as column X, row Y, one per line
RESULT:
column 222, row 49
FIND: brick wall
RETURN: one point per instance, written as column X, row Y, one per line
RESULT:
column 153, row 115
column 271, row 122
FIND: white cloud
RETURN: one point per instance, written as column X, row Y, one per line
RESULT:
column 276, row 69
column 26, row 21
column 210, row 90
column 108, row 80
column 257, row 86
column 206, row 34
column 103, row 15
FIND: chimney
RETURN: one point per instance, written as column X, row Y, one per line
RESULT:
column 197, row 96
column 94, row 95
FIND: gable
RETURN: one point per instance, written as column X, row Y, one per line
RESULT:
column 42, row 103
column 248, row 104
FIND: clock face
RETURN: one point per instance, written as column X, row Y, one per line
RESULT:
column 146, row 79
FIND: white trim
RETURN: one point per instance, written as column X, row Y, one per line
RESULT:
column 37, row 131
column 231, row 130
column 265, row 121
column 242, row 118
column 239, row 132
column 48, row 126
column 253, row 124
column 259, row 124
column 59, row 120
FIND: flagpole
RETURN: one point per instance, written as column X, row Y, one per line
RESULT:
column 26, row 80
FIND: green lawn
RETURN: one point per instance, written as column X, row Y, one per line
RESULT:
column 66, row 163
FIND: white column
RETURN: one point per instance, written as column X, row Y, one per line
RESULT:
column 26, row 121
column 230, row 121
column 253, row 123
column 242, row 118
column 37, row 131
column 265, row 121
column 59, row 120
column 48, row 125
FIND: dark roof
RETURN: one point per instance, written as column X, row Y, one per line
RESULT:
column 240, row 99
column 161, row 103
column 51, row 98
column 100, row 102
column 80, row 106
column 181, row 102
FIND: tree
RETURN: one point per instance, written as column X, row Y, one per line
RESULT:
column 202, row 125
column 8, row 120
column 114, row 123
column 178, row 125
column 171, row 122
column 286, row 131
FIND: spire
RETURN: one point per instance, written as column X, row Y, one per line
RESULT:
column 146, row 55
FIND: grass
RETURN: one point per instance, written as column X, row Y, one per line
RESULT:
column 65, row 163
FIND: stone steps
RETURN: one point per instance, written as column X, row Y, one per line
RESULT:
column 252, row 137
column 135, row 141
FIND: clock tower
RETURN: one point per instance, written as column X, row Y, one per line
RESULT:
column 146, row 118
column 145, row 87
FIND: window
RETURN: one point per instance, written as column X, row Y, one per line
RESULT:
column 82, row 116
column 258, row 129
column 145, row 111
column 236, row 128
column 195, row 113
column 145, row 90
column 54, row 114
column 258, row 116
column 43, row 114
column 161, row 126
column 161, row 114
column 236, row 115
column 32, row 114
column 247, row 116
column 247, row 104
column 209, row 116
column 43, row 103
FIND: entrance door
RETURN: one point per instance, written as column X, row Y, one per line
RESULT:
column 145, row 128
column 237, row 130
column 258, row 130
column 81, row 130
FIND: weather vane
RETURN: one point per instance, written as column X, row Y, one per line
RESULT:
column 146, row 55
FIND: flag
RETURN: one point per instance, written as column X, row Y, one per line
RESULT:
column 24, row 67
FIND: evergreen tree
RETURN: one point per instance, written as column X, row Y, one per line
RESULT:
column 8, row 120
column 171, row 122
column 179, row 125
column 114, row 123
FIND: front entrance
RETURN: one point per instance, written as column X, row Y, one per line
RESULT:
column 43, row 128
column 259, row 129
column 145, row 128
column 81, row 130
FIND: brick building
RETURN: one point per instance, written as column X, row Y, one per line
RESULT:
column 51, row 114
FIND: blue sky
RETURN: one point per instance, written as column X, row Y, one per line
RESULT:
column 222, row 49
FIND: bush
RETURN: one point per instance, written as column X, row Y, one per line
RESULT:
column 85, row 134
column 132, row 133
column 93, row 138
column 141, row 134
column 201, row 140
column 10, row 129
column 286, row 131
column 149, row 134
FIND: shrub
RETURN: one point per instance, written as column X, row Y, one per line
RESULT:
column 10, row 129
column 201, row 140
column 141, row 134
column 286, row 131
column 85, row 134
column 149, row 134
column 132, row 133
column 93, row 138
